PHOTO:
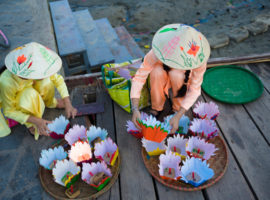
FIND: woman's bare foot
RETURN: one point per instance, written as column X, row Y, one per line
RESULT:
column 32, row 130
column 60, row 103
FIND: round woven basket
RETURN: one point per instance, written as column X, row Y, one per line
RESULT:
column 86, row 191
column 218, row 163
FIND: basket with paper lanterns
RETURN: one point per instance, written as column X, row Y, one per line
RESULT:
column 79, row 165
column 191, row 159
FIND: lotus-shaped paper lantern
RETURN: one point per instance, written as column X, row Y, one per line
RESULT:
column 177, row 145
column 106, row 150
column 49, row 157
column 125, row 73
column 204, row 128
column 59, row 127
column 169, row 166
column 153, row 148
column 198, row 148
column 66, row 172
column 183, row 124
column 196, row 172
column 76, row 133
column 96, row 134
column 153, row 130
column 96, row 174
column 131, row 128
column 206, row 110
column 80, row 152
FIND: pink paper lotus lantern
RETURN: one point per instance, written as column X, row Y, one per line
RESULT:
column 76, row 133
column 199, row 148
column 106, row 150
column 206, row 110
column 131, row 128
column 203, row 128
column 96, row 174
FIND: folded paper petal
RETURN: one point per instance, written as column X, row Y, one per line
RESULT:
column 51, row 155
column 153, row 148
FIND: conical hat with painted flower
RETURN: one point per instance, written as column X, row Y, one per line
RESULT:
column 33, row 61
column 180, row 46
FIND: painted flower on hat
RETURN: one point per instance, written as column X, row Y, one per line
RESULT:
column 168, row 49
column 193, row 48
column 21, row 59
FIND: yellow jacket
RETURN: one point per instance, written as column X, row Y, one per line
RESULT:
column 12, row 87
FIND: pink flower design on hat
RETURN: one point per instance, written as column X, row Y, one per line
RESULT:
column 21, row 59
column 193, row 48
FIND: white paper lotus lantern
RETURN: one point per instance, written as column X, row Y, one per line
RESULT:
column 169, row 167
column 66, row 172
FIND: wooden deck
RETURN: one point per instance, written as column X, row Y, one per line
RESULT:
column 245, row 129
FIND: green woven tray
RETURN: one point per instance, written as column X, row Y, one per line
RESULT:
column 232, row 84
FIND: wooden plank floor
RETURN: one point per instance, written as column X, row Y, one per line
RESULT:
column 245, row 129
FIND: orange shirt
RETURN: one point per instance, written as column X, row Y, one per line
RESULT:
column 151, row 61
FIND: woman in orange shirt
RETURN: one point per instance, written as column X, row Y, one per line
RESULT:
column 177, row 60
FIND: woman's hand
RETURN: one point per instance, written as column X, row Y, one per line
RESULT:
column 41, row 125
column 174, row 122
column 136, row 115
column 70, row 110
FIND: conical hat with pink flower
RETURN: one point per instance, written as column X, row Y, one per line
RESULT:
column 33, row 61
column 180, row 46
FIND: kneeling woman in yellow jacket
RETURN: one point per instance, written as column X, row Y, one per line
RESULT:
column 28, row 85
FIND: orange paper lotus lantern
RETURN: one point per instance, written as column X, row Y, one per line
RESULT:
column 154, row 130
